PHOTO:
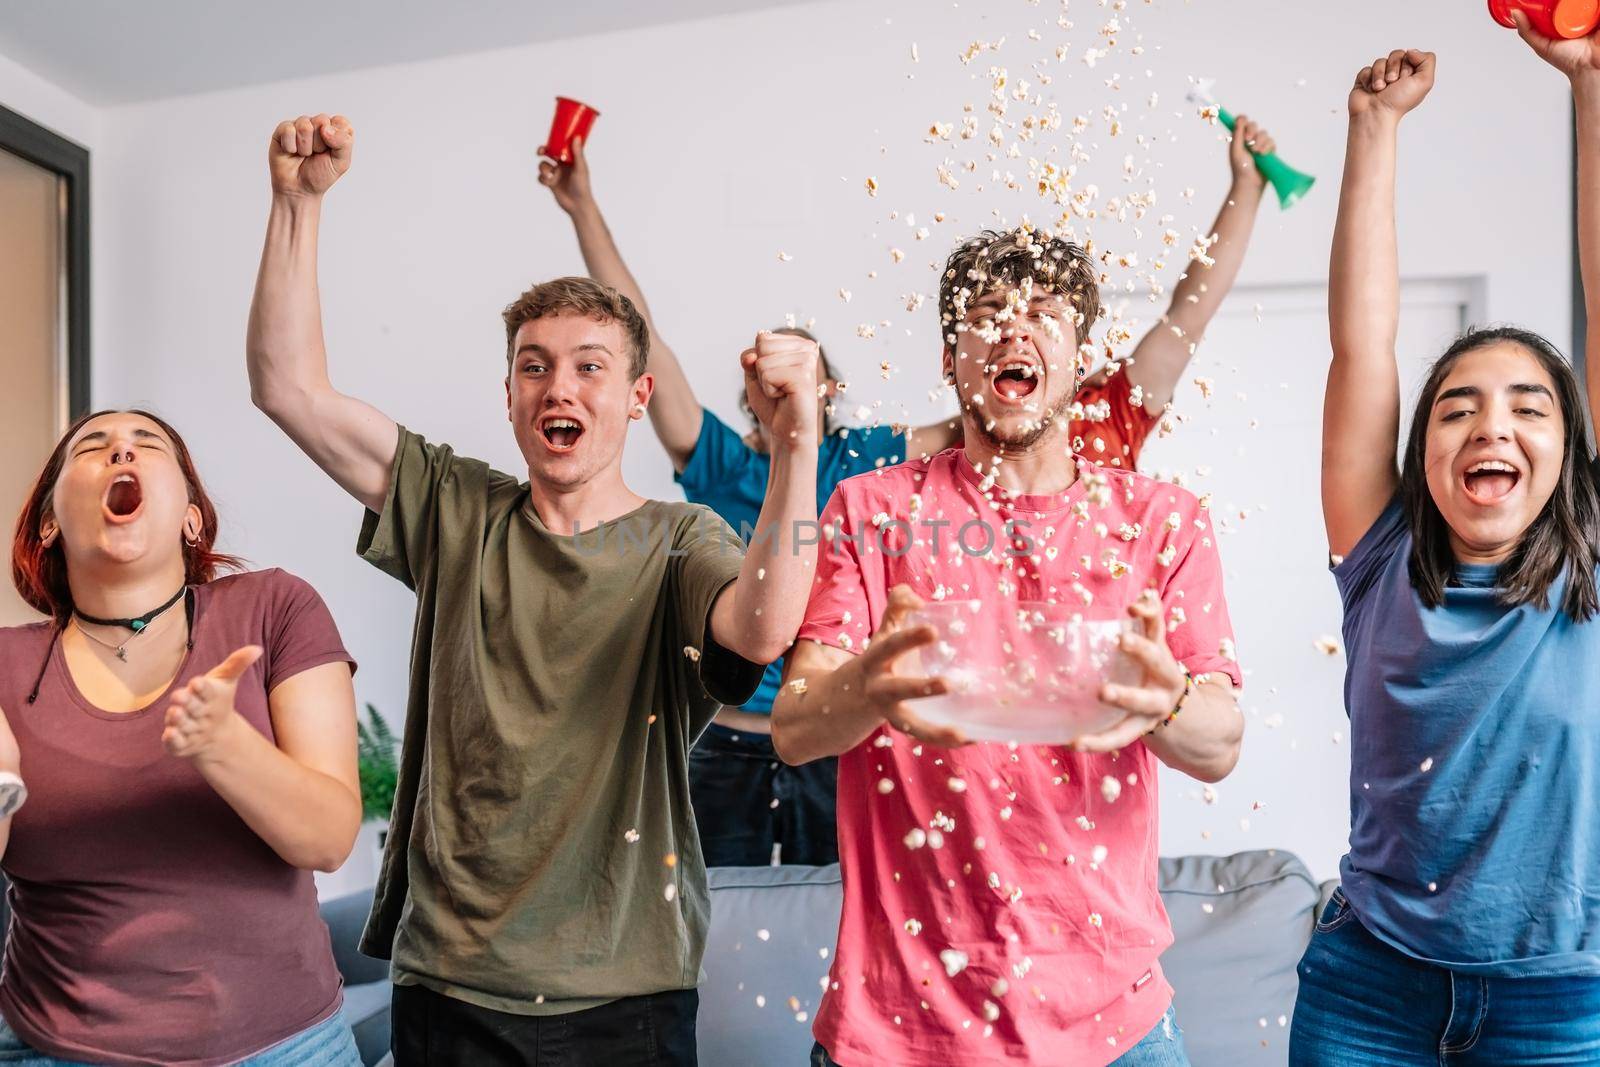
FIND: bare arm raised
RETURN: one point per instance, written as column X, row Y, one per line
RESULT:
column 674, row 410
column 1361, row 413
column 1162, row 354
column 353, row 442
column 1579, row 60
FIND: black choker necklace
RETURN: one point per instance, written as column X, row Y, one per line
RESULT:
column 134, row 624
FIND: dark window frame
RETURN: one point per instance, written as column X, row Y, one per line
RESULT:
column 28, row 140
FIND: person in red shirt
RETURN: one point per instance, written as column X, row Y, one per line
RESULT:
column 746, row 800
column 1000, row 901
column 1121, row 403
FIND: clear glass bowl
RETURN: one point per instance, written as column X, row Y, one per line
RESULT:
column 1024, row 671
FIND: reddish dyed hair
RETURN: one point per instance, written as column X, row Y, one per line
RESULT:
column 40, row 571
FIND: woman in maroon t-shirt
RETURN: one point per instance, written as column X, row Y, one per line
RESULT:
column 189, row 747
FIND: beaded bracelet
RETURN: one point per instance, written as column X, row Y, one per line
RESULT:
column 1188, row 687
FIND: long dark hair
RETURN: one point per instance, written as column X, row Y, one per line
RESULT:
column 40, row 571
column 1566, row 533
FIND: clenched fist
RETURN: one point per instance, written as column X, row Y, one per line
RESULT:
column 308, row 154
column 1393, row 84
column 780, row 383
column 202, row 711
column 1250, row 139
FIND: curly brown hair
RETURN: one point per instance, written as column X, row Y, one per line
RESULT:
column 992, row 259
column 580, row 296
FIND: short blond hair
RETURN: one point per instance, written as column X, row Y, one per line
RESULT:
column 580, row 296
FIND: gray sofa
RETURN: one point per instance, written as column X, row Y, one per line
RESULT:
column 1241, row 923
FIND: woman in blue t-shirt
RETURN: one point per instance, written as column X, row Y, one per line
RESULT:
column 1467, row 925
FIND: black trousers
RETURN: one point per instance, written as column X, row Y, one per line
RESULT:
column 438, row 1031
column 746, row 800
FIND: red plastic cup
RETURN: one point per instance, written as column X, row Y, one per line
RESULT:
column 1553, row 18
column 573, row 120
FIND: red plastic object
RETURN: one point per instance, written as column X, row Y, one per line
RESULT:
column 573, row 120
column 1553, row 18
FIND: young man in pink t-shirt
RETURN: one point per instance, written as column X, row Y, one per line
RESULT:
column 1000, row 901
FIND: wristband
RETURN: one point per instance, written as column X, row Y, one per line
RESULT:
column 1188, row 687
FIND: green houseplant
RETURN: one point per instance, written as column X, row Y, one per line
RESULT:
column 378, row 766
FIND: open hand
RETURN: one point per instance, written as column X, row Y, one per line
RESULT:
column 885, row 681
column 1163, row 683
column 202, row 712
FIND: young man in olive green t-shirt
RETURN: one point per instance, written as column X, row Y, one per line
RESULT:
column 543, row 896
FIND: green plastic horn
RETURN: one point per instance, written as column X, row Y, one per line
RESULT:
column 1288, row 183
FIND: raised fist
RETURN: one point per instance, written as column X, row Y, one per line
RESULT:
column 780, row 384
column 1394, row 84
column 308, row 154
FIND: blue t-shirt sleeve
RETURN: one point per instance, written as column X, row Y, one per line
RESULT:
column 720, row 459
column 1357, row 573
column 862, row 449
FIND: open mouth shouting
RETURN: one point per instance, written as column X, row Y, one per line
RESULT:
column 560, row 433
column 1014, row 378
column 124, row 499
column 1489, row 481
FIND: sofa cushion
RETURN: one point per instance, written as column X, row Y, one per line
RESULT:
column 1241, row 924
column 367, row 1008
column 773, row 929
column 771, row 939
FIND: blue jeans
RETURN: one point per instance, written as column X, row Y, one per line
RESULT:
column 746, row 800
column 327, row 1044
column 1161, row 1047
column 1363, row 1003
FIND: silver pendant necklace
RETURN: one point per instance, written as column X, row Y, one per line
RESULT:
column 121, row 650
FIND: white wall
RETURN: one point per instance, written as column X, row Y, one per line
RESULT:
column 723, row 143
column 48, row 104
